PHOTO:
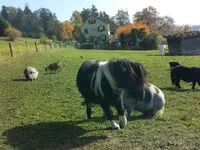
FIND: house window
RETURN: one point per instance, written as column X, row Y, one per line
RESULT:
column 86, row 31
column 103, row 37
column 101, row 28
column 92, row 21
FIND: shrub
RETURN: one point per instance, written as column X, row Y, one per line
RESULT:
column 12, row 33
column 44, row 40
column 88, row 46
column 150, row 42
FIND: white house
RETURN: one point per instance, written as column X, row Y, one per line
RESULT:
column 95, row 30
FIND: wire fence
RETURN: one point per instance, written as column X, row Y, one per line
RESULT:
column 14, row 49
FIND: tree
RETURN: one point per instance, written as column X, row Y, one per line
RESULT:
column 134, row 36
column 94, row 11
column 17, row 20
column 3, row 25
column 122, row 17
column 12, row 33
column 45, row 16
column 181, row 29
column 66, row 30
column 4, row 12
column 54, row 29
column 77, row 34
column 165, row 25
column 27, row 9
column 31, row 26
column 150, row 17
column 104, row 17
column 85, row 13
column 127, row 29
column 76, row 17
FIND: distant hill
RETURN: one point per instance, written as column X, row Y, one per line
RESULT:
column 195, row 27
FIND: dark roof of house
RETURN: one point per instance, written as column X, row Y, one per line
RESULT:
column 183, row 35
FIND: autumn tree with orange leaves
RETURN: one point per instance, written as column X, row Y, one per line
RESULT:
column 66, row 30
column 126, row 30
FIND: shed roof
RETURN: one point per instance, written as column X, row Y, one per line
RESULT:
column 183, row 35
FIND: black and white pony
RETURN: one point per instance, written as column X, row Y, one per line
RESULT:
column 103, row 82
column 152, row 103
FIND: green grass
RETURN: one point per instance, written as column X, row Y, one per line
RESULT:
column 47, row 114
column 19, row 47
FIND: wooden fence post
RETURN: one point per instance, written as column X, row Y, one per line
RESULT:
column 36, row 47
column 40, row 48
column 26, row 43
column 50, row 45
column 11, row 51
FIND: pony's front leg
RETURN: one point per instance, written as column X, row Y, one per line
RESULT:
column 109, row 115
column 120, row 109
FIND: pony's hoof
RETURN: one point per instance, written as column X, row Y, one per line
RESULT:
column 122, row 121
column 115, row 126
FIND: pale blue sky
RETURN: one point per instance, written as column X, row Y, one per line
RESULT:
column 183, row 12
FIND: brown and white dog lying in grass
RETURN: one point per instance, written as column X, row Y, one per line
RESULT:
column 54, row 66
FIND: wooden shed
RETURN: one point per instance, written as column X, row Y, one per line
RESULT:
column 187, row 43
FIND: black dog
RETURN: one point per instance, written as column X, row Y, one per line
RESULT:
column 187, row 74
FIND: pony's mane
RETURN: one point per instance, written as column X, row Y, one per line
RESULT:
column 116, row 71
column 134, row 70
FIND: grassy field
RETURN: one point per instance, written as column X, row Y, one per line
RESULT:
column 47, row 114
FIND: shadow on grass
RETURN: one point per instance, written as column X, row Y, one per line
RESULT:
column 49, row 135
column 19, row 80
column 179, row 90
column 139, row 117
column 155, row 54
column 46, row 73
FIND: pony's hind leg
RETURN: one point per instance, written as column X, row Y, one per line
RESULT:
column 129, row 111
column 109, row 115
column 193, row 85
column 89, row 110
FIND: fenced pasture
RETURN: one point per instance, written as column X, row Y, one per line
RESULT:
column 25, row 46
column 47, row 114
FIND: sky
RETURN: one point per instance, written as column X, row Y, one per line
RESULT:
column 183, row 12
